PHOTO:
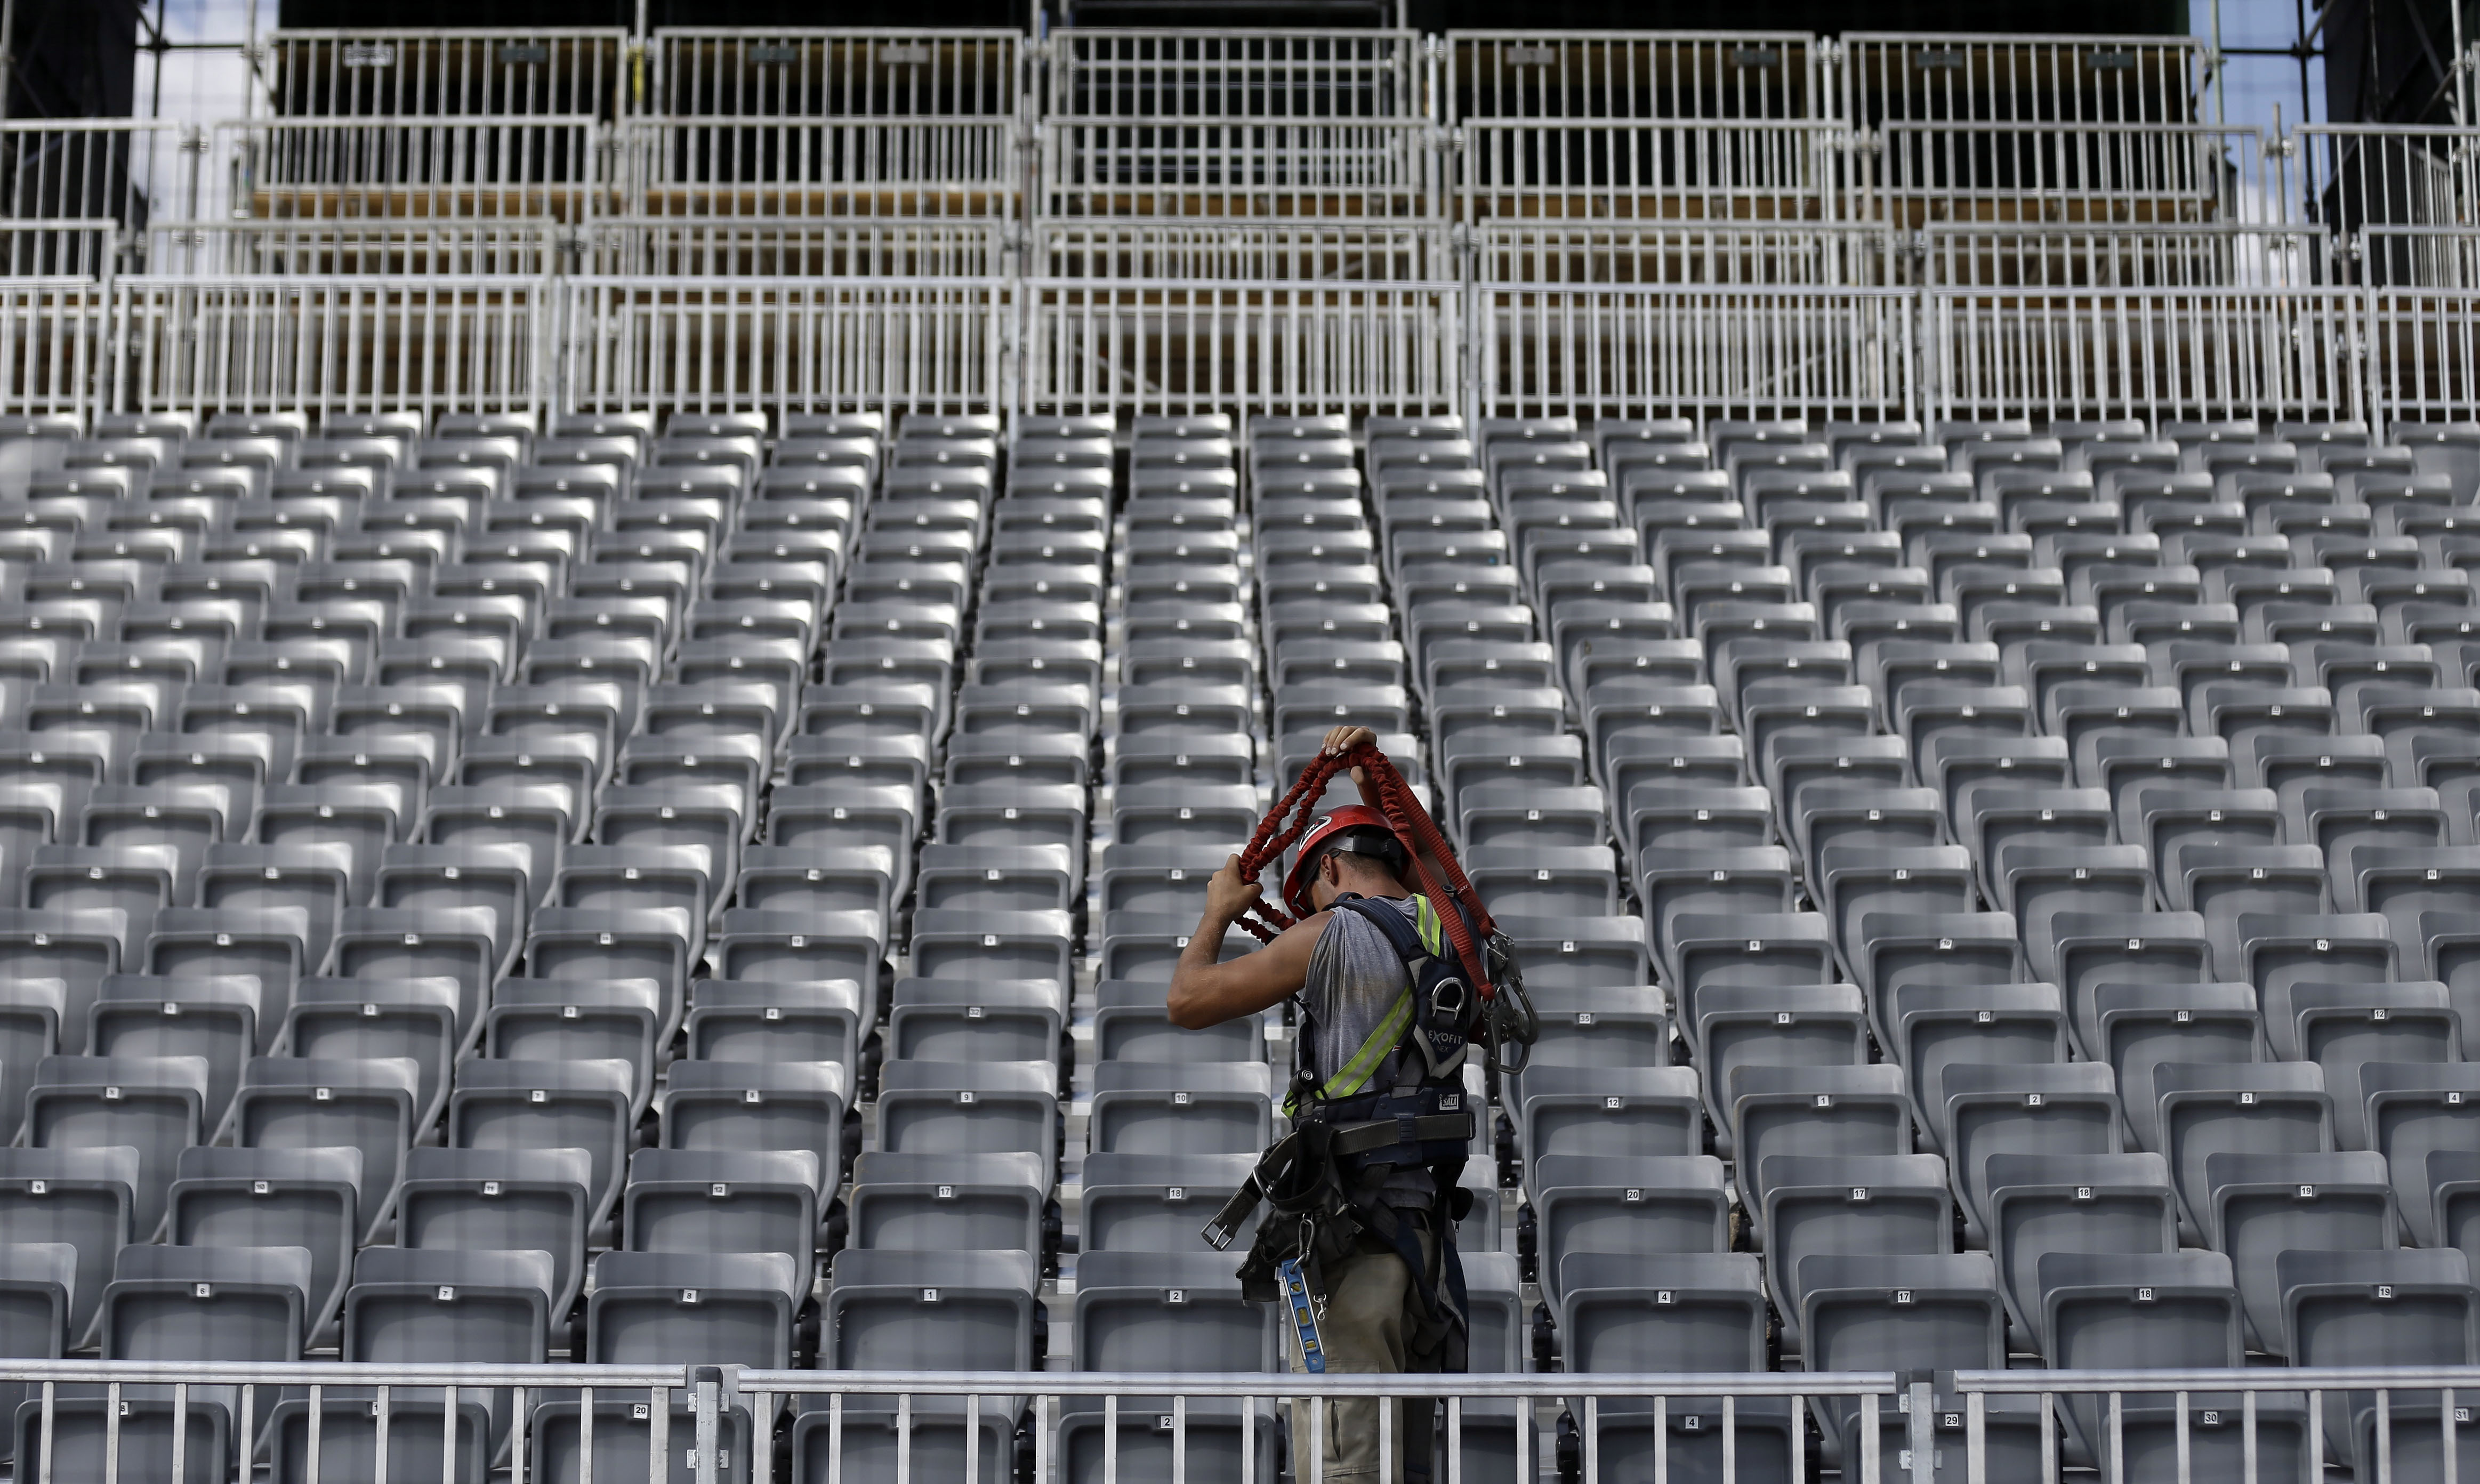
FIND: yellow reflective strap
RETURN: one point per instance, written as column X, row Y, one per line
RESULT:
column 1433, row 936
column 1356, row 1073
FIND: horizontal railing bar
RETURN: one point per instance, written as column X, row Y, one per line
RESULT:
column 2254, row 1378
column 337, row 1373
column 92, row 126
column 1505, row 1384
column 1996, row 40
column 347, row 121
column 459, row 34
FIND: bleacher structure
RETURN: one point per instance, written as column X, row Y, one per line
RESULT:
column 621, row 664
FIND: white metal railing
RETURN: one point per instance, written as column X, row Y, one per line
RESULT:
column 823, row 168
column 397, row 72
column 359, row 246
column 433, row 165
column 1889, row 76
column 1181, row 345
column 1292, row 76
column 2357, row 177
column 1687, row 251
column 1173, row 167
column 836, row 73
column 1534, row 170
column 2085, row 352
column 1657, row 350
column 2065, row 173
column 2424, row 353
column 329, row 345
column 67, row 247
column 115, row 168
column 56, row 343
column 697, row 247
column 1629, row 74
column 787, row 344
column 2117, row 255
column 1244, row 249
column 329, row 1424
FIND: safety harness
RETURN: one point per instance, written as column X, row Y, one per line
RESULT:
column 1324, row 1183
column 1356, row 1126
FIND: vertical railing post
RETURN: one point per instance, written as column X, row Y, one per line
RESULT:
column 707, row 1393
column 1921, row 1435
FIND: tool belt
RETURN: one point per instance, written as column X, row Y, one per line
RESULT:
column 1324, row 1184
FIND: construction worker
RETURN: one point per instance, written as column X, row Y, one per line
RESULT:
column 1358, row 1245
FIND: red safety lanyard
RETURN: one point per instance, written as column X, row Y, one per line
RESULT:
column 1290, row 819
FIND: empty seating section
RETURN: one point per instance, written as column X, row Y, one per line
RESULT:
column 777, row 900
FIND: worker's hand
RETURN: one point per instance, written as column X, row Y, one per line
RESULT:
column 1343, row 740
column 1229, row 893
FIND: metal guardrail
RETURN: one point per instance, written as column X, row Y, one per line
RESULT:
column 1244, row 250
column 787, row 345
column 713, row 248
column 324, row 1423
column 360, row 247
column 437, row 167
column 1892, row 76
column 720, row 72
column 96, row 168
column 1173, row 167
column 1181, row 345
column 2152, row 173
column 69, row 248
column 1734, row 350
column 2359, row 178
column 56, row 343
column 376, row 72
column 2187, row 351
column 890, row 166
column 1999, row 256
column 1628, row 74
column 1657, row 170
column 325, row 345
column 1288, row 76
column 1852, row 254
column 1240, row 222
column 2425, row 346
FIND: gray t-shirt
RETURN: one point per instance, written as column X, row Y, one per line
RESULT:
column 1356, row 983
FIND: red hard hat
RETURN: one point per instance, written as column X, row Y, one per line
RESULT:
column 1351, row 816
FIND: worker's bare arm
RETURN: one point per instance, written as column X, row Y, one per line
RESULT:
column 1204, row 992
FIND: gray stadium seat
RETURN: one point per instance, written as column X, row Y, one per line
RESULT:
column 2413, row 1111
column 38, row 1294
column 306, row 1198
column 2260, row 1206
column 1847, row 1206
column 2251, row 1107
column 150, row 1105
column 1157, row 1203
column 1621, row 1204
column 83, row 1199
column 214, row 1018
column 718, row 1201
column 1180, row 1108
column 2381, row 1307
column 1813, row 1110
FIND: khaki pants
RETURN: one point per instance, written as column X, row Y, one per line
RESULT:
column 1371, row 1310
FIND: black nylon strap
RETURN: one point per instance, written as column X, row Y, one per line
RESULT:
column 1384, row 1133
